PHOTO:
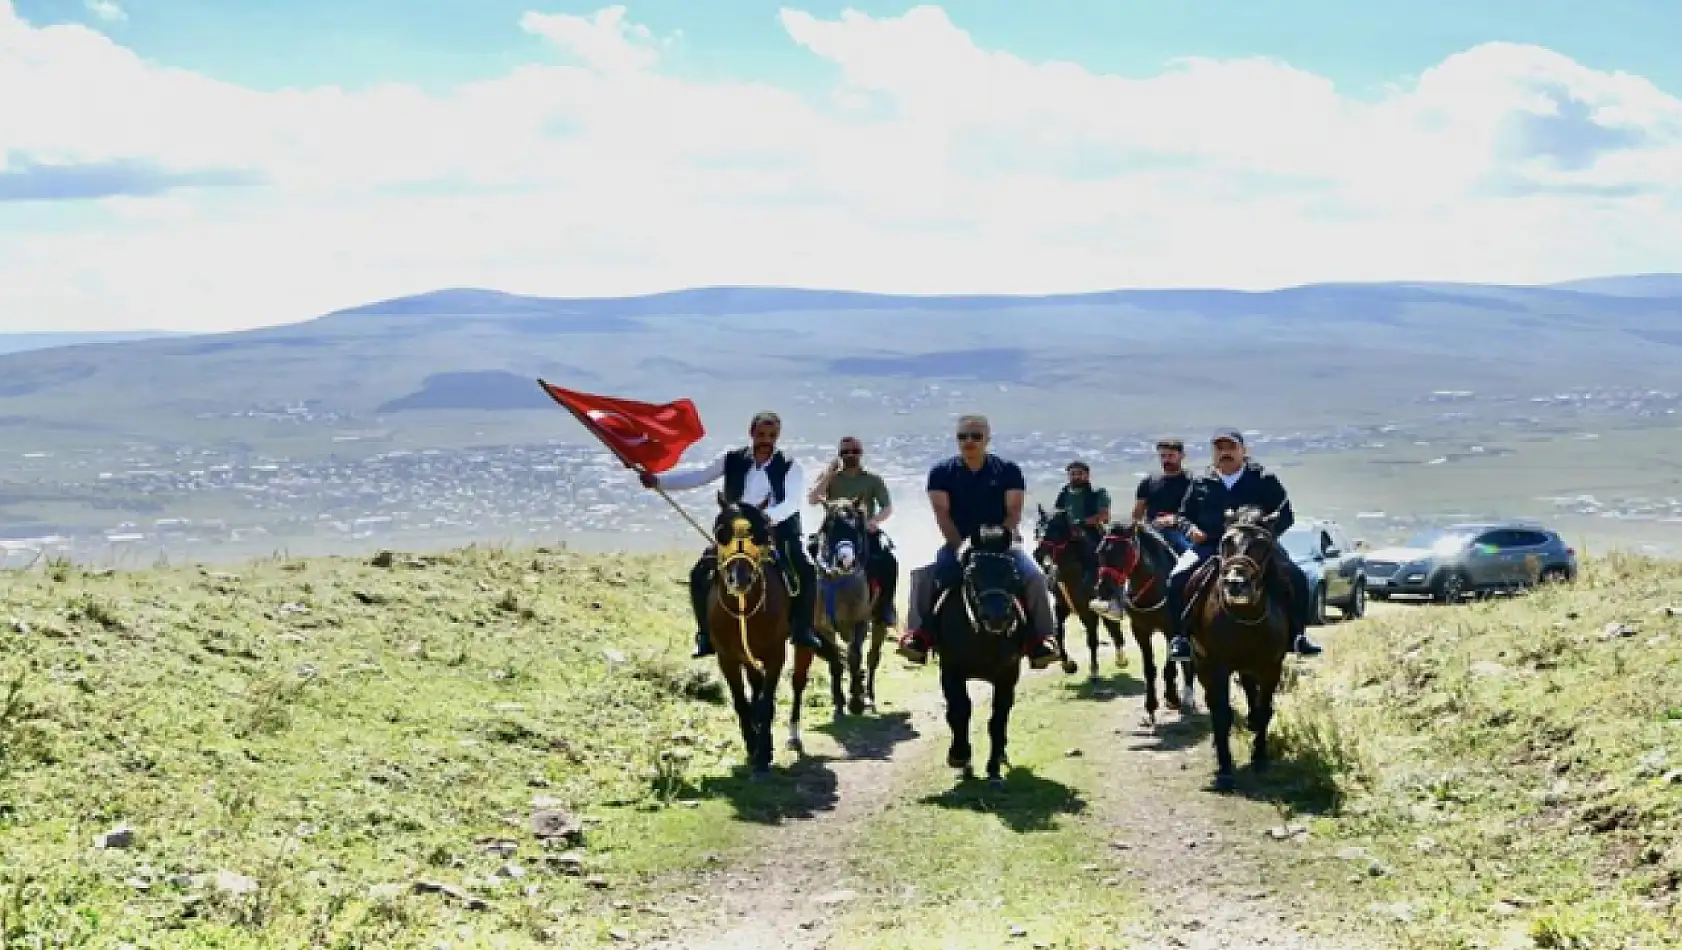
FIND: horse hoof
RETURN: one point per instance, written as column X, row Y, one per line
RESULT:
column 795, row 745
column 1224, row 782
column 996, row 781
column 1260, row 766
column 1070, row 666
column 856, row 707
column 958, row 762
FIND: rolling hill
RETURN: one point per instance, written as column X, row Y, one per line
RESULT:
column 466, row 357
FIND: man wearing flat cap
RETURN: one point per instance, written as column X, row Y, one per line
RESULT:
column 1233, row 481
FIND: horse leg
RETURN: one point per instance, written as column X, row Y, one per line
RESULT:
column 855, row 665
column 732, row 670
column 878, row 634
column 766, row 702
column 1261, row 717
column 956, row 690
column 802, row 673
column 748, row 713
column 1061, row 612
column 1090, row 621
column 1147, row 658
column 998, row 729
column 1117, row 640
column 1217, row 689
column 837, row 669
column 1188, row 682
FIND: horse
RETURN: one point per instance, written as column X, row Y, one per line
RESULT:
column 1134, row 562
column 1237, row 627
column 1059, row 556
column 980, row 623
column 748, row 620
column 846, row 603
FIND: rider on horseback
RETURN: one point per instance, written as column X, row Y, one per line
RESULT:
column 1088, row 507
column 758, row 474
column 846, row 477
column 1233, row 482
column 967, row 491
column 1157, row 502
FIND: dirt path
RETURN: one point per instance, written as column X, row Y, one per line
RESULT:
column 785, row 896
column 1205, row 865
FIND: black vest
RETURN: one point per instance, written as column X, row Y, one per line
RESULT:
column 737, row 464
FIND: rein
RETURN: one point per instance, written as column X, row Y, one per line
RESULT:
column 742, row 549
column 1120, row 576
column 1261, row 604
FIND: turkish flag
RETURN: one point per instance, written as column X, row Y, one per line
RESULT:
column 645, row 435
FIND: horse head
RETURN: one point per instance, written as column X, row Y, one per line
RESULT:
column 1118, row 555
column 843, row 538
column 743, row 535
column 1052, row 535
column 992, row 584
column 1246, row 552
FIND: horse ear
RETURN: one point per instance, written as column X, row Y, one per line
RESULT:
column 1041, row 507
column 721, row 503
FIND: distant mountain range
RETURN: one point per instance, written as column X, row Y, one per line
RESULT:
column 46, row 339
column 1323, row 349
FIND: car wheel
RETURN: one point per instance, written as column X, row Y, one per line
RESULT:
column 1450, row 588
column 1317, row 615
column 1556, row 575
column 1357, row 602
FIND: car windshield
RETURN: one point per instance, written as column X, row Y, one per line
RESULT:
column 1440, row 540
column 1298, row 544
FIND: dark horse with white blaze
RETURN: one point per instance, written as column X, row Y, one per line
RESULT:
column 1237, row 627
column 842, row 551
column 1134, row 562
column 981, row 621
column 1060, row 557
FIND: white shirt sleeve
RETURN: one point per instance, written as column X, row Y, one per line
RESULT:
column 694, row 477
column 794, row 487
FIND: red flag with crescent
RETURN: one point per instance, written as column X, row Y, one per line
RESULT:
column 645, row 435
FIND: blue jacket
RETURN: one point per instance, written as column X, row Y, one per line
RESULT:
column 1208, row 499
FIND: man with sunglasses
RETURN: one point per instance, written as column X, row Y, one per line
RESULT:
column 969, row 490
column 846, row 477
column 757, row 474
column 1234, row 481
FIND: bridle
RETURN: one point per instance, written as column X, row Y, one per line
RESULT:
column 826, row 558
column 972, row 598
column 1119, row 576
column 742, row 549
column 1251, row 569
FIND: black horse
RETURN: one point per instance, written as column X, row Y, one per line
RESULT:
column 981, row 623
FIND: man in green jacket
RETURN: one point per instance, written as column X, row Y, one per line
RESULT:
column 1089, row 510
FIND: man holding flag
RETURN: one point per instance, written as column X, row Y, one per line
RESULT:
column 650, row 438
column 757, row 474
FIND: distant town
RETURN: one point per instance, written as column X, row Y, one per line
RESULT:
column 141, row 502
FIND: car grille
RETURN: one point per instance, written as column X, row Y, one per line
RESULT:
column 1381, row 568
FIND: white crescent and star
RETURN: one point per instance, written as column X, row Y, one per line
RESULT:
column 624, row 429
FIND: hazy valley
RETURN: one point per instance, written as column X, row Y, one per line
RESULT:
column 416, row 421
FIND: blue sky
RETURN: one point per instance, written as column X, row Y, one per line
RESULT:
column 220, row 163
column 1360, row 44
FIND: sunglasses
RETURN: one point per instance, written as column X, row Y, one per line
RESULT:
column 971, row 436
column 849, row 453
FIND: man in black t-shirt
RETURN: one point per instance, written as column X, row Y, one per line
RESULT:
column 1156, row 502
column 1158, row 497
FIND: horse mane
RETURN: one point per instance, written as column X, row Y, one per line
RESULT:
column 1150, row 535
column 1248, row 516
column 992, row 538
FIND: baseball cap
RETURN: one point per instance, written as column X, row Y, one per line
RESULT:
column 1231, row 434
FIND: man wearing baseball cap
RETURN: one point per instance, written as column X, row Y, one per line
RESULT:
column 1234, row 481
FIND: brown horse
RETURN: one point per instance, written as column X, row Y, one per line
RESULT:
column 1059, row 554
column 1237, row 627
column 749, row 623
column 1133, row 564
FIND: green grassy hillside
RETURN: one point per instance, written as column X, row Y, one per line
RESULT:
column 341, row 754
column 1512, row 770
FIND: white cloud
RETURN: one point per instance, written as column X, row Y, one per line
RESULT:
column 935, row 165
column 106, row 10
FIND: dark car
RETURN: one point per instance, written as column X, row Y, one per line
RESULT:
column 1450, row 562
column 1336, row 570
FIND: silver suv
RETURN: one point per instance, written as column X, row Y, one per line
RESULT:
column 1450, row 562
